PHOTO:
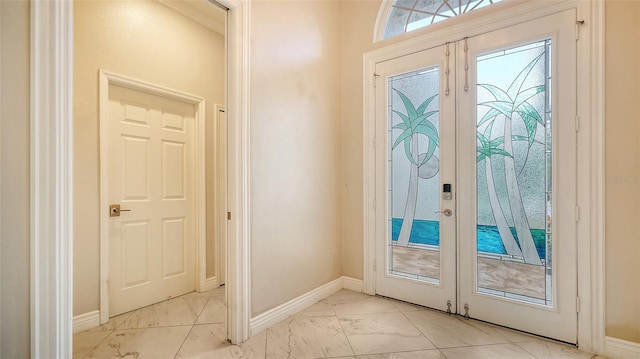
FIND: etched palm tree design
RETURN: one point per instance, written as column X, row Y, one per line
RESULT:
column 415, row 123
column 486, row 150
column 513, row 104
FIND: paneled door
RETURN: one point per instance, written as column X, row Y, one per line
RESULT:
column 476, row 177
column 151, row 178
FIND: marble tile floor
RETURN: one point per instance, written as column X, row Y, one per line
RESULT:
column 346, row 325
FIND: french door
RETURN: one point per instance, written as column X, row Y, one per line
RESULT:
column 476, row 174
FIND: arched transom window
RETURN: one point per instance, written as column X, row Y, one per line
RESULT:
column 407, row 15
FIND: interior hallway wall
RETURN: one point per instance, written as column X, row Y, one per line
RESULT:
column 14, row 179
column 358, row 22
column 295, row 149
column 622, row 169
column 146, row 41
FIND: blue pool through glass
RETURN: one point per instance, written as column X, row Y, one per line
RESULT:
column 427, row 232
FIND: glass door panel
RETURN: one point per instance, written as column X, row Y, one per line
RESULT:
column 513, row 186
column 415, row 123
column 414, row 180
column 517, row 175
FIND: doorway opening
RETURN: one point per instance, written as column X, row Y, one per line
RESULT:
column 52, row 163
column 474, row 190
column 175, row 246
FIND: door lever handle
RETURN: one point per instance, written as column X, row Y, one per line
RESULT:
column 114, row 210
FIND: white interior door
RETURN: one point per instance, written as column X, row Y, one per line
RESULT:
column 152, row 178
column 415, row 145
column 499, row 135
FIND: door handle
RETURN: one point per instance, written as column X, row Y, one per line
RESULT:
column 447, row 212
column 114, row 210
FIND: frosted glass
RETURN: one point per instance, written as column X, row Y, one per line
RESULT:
column 514, row 173
column 407, row 15
column 414, row 180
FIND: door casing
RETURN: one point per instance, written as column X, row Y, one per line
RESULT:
column 459, row 123
column 221, row 191
column 109, row 78
column 590, row 162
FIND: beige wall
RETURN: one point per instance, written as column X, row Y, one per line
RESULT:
column 14, row 179
column 358, row 20
column 295, row 149
column 143, row 40
column 623, row 170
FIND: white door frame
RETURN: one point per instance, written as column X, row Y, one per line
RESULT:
column 590, row 229
column 51, row 203
column 221, row 191
column 106, row 79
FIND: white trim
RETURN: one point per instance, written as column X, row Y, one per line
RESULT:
column 353, row 284
column 284, row 311
column 51, row 203
column 238, row 281
column 591, row 195
column 209, row 284
column 369, row 171
column 86, row 321
column 109, row 78
column 622, row 349
column 220, row 124
column 591, row 55
column 1, row 185
column 381, row 20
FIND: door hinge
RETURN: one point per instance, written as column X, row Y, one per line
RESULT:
column 577, row 213
column 577, row 123
column 374, row 143
column 374, row 204
column 374, row 266
column 577, row 304
column 228, row 216
column 375, row 78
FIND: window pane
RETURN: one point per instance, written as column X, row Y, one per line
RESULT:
column 408, row 15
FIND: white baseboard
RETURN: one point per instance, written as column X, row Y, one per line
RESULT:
column 622, row 349
column 353, row 284
column 210, row 284
column 86, row 321
column 284, row 311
